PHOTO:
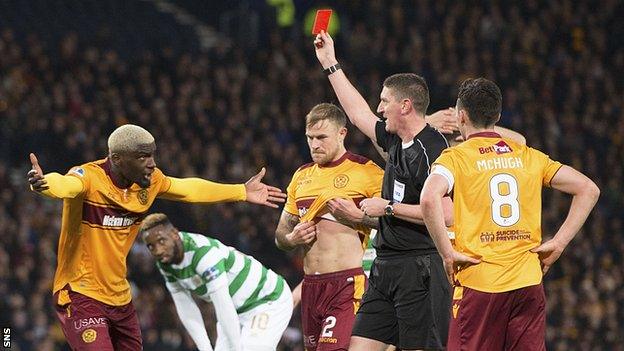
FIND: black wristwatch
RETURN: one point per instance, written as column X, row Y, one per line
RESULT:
column 332, row 69
column 389, row 210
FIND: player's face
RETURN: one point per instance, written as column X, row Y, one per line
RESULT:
column 164, row 244
column 326, row 141
column 137, row 166
column 390, row 108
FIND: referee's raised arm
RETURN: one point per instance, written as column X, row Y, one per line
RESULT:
column 352, row 102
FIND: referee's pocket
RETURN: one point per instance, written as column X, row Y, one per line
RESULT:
column 425, row 261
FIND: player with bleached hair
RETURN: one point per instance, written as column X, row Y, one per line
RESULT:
column 104, row 203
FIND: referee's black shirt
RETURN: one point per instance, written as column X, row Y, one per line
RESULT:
column 406, row 170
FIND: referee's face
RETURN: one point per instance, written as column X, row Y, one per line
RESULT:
column 326, row 141
column 390, row 108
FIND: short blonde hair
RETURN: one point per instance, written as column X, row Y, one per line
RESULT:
column 153, row 220
column 326, row 111
column 128, row 138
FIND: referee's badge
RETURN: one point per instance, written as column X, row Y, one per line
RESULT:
column 399, row 191
column 341, row 181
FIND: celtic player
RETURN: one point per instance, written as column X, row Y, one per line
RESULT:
column 253, row 304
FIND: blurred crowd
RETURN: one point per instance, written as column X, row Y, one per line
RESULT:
column 225, row 113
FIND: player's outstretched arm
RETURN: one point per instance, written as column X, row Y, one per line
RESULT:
column 355, row 106
column 291, row 233
column 52, row 184
column 262, row 194
column 205, row 191
column 227, row 317
column 585, row 194
column 191, row 319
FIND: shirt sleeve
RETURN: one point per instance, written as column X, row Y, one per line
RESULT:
column 435, row 149
column 64, row 186
column 445, row 167
column 381, row 135
column 225, row 311
column 171, row 283
column 548, row 166
column 191, row 318
column 202, row 190
column 376, row 180
column 291, row 203
column 211, row 267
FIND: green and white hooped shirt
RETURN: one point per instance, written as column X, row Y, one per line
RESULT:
column 369, row 254
column 209, row 265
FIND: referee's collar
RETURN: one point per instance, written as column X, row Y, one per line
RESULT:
column 484, row 135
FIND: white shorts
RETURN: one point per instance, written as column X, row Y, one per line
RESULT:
column 262, row 327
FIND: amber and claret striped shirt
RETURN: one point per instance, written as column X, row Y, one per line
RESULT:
column 351, row 176
column 101, row 221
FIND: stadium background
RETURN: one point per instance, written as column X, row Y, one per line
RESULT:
column 224, row 87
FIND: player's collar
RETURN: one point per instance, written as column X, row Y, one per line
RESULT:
column 337, row 162
column 484, row 135
column 106, row 166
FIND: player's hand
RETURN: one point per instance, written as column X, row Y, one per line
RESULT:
column 304, row 233
column 374, row 206
column 324, row 46
column 262, row 194
column 345, row 211
column 443, row 120
column 549, row 252
column 455, row 262
column 35, row 176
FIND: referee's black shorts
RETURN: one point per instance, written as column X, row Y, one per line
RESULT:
column 407, row 303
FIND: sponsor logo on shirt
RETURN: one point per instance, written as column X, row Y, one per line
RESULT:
column 211, row 273
column 505, row 235
column 116, row 221
column 78, row 171
column 302, row 211
column 499, row 148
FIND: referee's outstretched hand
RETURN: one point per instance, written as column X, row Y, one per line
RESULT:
column 35, row 175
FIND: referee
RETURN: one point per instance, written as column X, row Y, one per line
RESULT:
column 407, row 303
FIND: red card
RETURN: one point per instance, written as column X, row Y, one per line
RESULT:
column 321, row 21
